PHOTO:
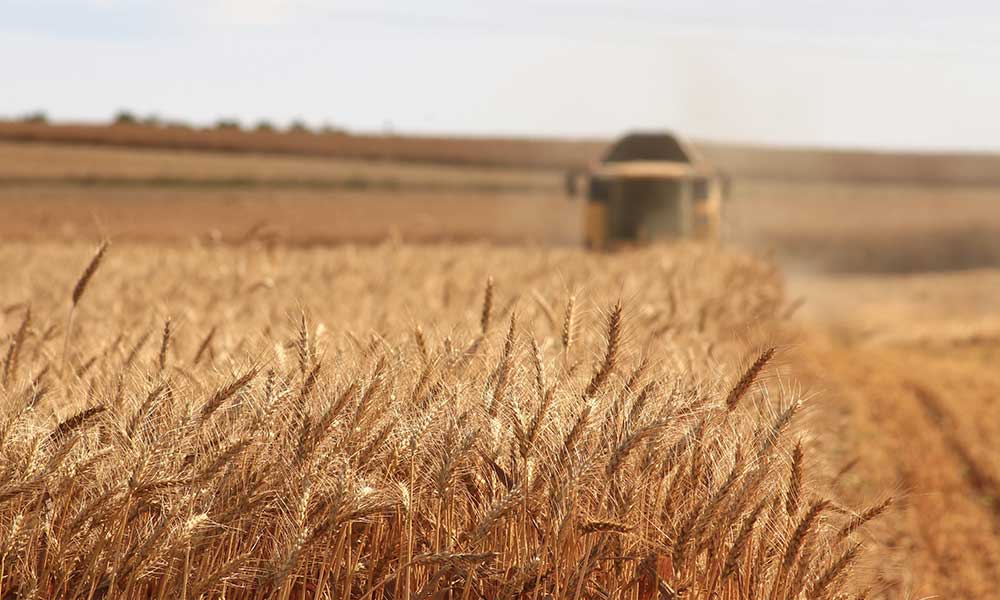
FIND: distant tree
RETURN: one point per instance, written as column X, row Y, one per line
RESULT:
column 152, row 121
column 264, row 125
column 299, row 126
column 38, row 117
column 330, row 129
column 125, row 117
column 228, row 124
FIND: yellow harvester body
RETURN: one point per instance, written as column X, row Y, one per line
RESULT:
column 649, row 186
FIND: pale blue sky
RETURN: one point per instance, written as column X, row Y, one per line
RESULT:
column 920, row 75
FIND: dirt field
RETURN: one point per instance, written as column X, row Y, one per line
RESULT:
column 894, row 346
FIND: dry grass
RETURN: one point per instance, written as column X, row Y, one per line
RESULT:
column 401, row 422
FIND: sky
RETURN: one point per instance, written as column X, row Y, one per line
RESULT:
column 894, row 75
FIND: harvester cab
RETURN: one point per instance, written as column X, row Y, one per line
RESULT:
column 649, row 186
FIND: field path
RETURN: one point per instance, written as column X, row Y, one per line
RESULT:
column 908, row 402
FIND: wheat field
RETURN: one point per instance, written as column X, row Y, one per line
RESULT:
column 395, row 421
column 284, row 379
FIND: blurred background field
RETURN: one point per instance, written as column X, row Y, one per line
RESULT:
column 827, row 211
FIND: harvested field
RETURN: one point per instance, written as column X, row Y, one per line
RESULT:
column 53, row 164
column 906, row 365
column 441, row 150
column 291, row 216
column 868, row 227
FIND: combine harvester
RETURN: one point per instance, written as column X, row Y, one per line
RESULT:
column 649, row 186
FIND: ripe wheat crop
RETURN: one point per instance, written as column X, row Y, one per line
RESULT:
column 405, row 422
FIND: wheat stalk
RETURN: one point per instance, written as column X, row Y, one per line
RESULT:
column 487, row 312
column 748, row 378
column 802, row 531
column 78, row 290
column 164, row 345
column 794, row 481
column 867, row 515
column 14, row 350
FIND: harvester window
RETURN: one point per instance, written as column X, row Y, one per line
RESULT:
column 600, row 190
column 700, row 188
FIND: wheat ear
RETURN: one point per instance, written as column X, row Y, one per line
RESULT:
column 79, row 289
